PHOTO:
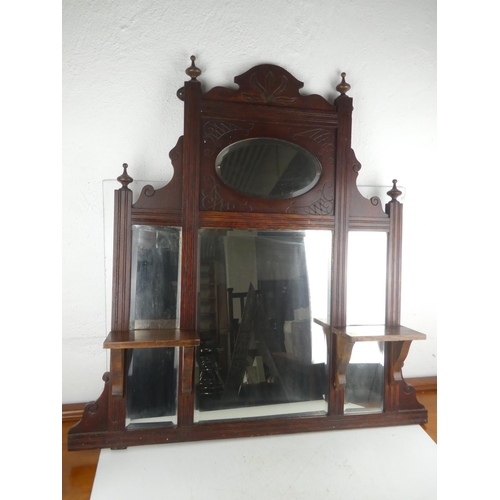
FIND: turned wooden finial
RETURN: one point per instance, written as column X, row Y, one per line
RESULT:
column 193, row 71
column 394, row 192
column 343, row 86
column 124, row 179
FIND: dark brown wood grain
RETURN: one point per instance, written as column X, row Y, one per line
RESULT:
column 190, row 211
column 185, row 407
column 95, row 415
column 339, row 251
column 138, row 339
column 122, row 256
column 120, row 311
column 394, row 260
column 265, row 221
column 250, row 428
column 270, row 85
column 167, row 199
column 317, row 137
column 266, row 103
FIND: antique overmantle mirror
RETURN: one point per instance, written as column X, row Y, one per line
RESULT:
column 258, row 292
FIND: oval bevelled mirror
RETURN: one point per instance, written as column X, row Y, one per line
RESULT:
column 268, row 168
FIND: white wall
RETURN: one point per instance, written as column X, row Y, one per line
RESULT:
column 123, row 62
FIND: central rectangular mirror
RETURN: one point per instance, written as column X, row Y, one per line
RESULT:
column 261, row 353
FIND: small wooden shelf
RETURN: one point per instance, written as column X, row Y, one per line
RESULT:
column 380, row 333
column 137, row 339
column 374, row 333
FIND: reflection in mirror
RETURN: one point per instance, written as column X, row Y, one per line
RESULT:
column 268, row 168
column 152, row 373
column 366, row 282
column 152, row 386
column 364, row 392
column 366, row 278
column 261, row 353
column 154, row 277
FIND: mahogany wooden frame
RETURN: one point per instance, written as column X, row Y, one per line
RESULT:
column 267, row 103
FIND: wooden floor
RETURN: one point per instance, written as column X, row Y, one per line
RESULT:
column 79, row 467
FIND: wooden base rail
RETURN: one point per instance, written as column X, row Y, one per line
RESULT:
column 74, row 411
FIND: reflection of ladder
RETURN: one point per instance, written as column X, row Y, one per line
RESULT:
column 253, row 323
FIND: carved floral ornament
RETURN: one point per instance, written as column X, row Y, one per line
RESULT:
column 269, row 91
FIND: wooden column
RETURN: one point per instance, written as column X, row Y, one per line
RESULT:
column 190, row 223
column 120, row 312
column 394, row 210
column 394, row 353
column 339, row 254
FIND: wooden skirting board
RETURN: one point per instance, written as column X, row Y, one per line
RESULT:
column 74, row 411
column 423, row 383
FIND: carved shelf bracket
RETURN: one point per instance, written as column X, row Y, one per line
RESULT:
column 95, row 413
column 343, row 355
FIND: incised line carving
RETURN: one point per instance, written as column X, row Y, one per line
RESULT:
column 269, row 91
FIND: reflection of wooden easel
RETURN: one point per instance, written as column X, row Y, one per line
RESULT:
column 253, row 323
column 234, row 321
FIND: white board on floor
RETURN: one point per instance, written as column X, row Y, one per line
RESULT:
column 370, row 464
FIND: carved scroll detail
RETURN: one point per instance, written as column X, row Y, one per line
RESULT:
column 212, row 200
column 95, row 413
column 149, row 191
column 214, row 130
column 322, row 206
column 269, row 91
column 359, row 204
column 401, row 396
column 170, row 195
column 320, row 136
